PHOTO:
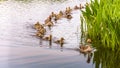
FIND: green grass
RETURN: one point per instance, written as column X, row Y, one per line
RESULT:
column 103, row 22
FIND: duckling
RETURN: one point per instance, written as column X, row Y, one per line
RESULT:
column 42, row 31
column 61, row 41
column 60, row 13
column 68, row 10
column 49, row 24
column 87, row 4
column 53, row 14
column 76, row 7
column 89, row 40
column 58, row 16
column 69, row 16
column 81, row 7
column 49, row 38
column 85, row 48
column 39, row 34
column 37, row 25
column 48, row 19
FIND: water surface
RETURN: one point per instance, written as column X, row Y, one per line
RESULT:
column 19, row 48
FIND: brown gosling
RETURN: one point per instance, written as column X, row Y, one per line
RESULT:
column 48, row 38
column 53, row 14
column 37, row 26
column 42, row 31
column 68, row 10
column 69, row 16
column 49, row 24
column 61, row 13
column 85, row 48
column 89, row 40
column 57, row 17
column 76, row 7
column 60, row 41
column 48, row 19
column 39, row 34
column 81, row 7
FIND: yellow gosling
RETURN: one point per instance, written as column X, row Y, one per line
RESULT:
column 87, row 4
column 89, row 40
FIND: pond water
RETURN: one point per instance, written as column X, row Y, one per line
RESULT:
column 20, row 48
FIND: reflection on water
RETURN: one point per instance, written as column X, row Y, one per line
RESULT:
column 106, row 58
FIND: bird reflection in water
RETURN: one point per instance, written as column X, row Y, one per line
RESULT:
column 41, row 42
column 89, row 57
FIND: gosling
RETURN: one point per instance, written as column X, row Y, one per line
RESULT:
column 48, row 38
column 37, row 26
column 85, row 48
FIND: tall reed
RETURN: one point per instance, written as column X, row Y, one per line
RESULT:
column 102, row 18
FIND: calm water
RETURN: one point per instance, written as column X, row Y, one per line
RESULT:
column 19, row 48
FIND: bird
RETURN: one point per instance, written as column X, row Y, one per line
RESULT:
column 42, row 30
column 68, row 16
column 57, row 17
column 76, row 7
column 39, row 34
column 48, row 19
column 87, row 4
column 48, row 38
column 68, row 10
column 89, row 40
column 60, row 13
column 37, row 26
column 53, row 14
column 81, row 7
column 60, row 41
column 85, row 48
column 49, row 24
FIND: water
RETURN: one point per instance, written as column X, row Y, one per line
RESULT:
column 19, row 48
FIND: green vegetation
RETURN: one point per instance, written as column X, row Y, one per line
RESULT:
column 106, row 58
column 102, row 18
